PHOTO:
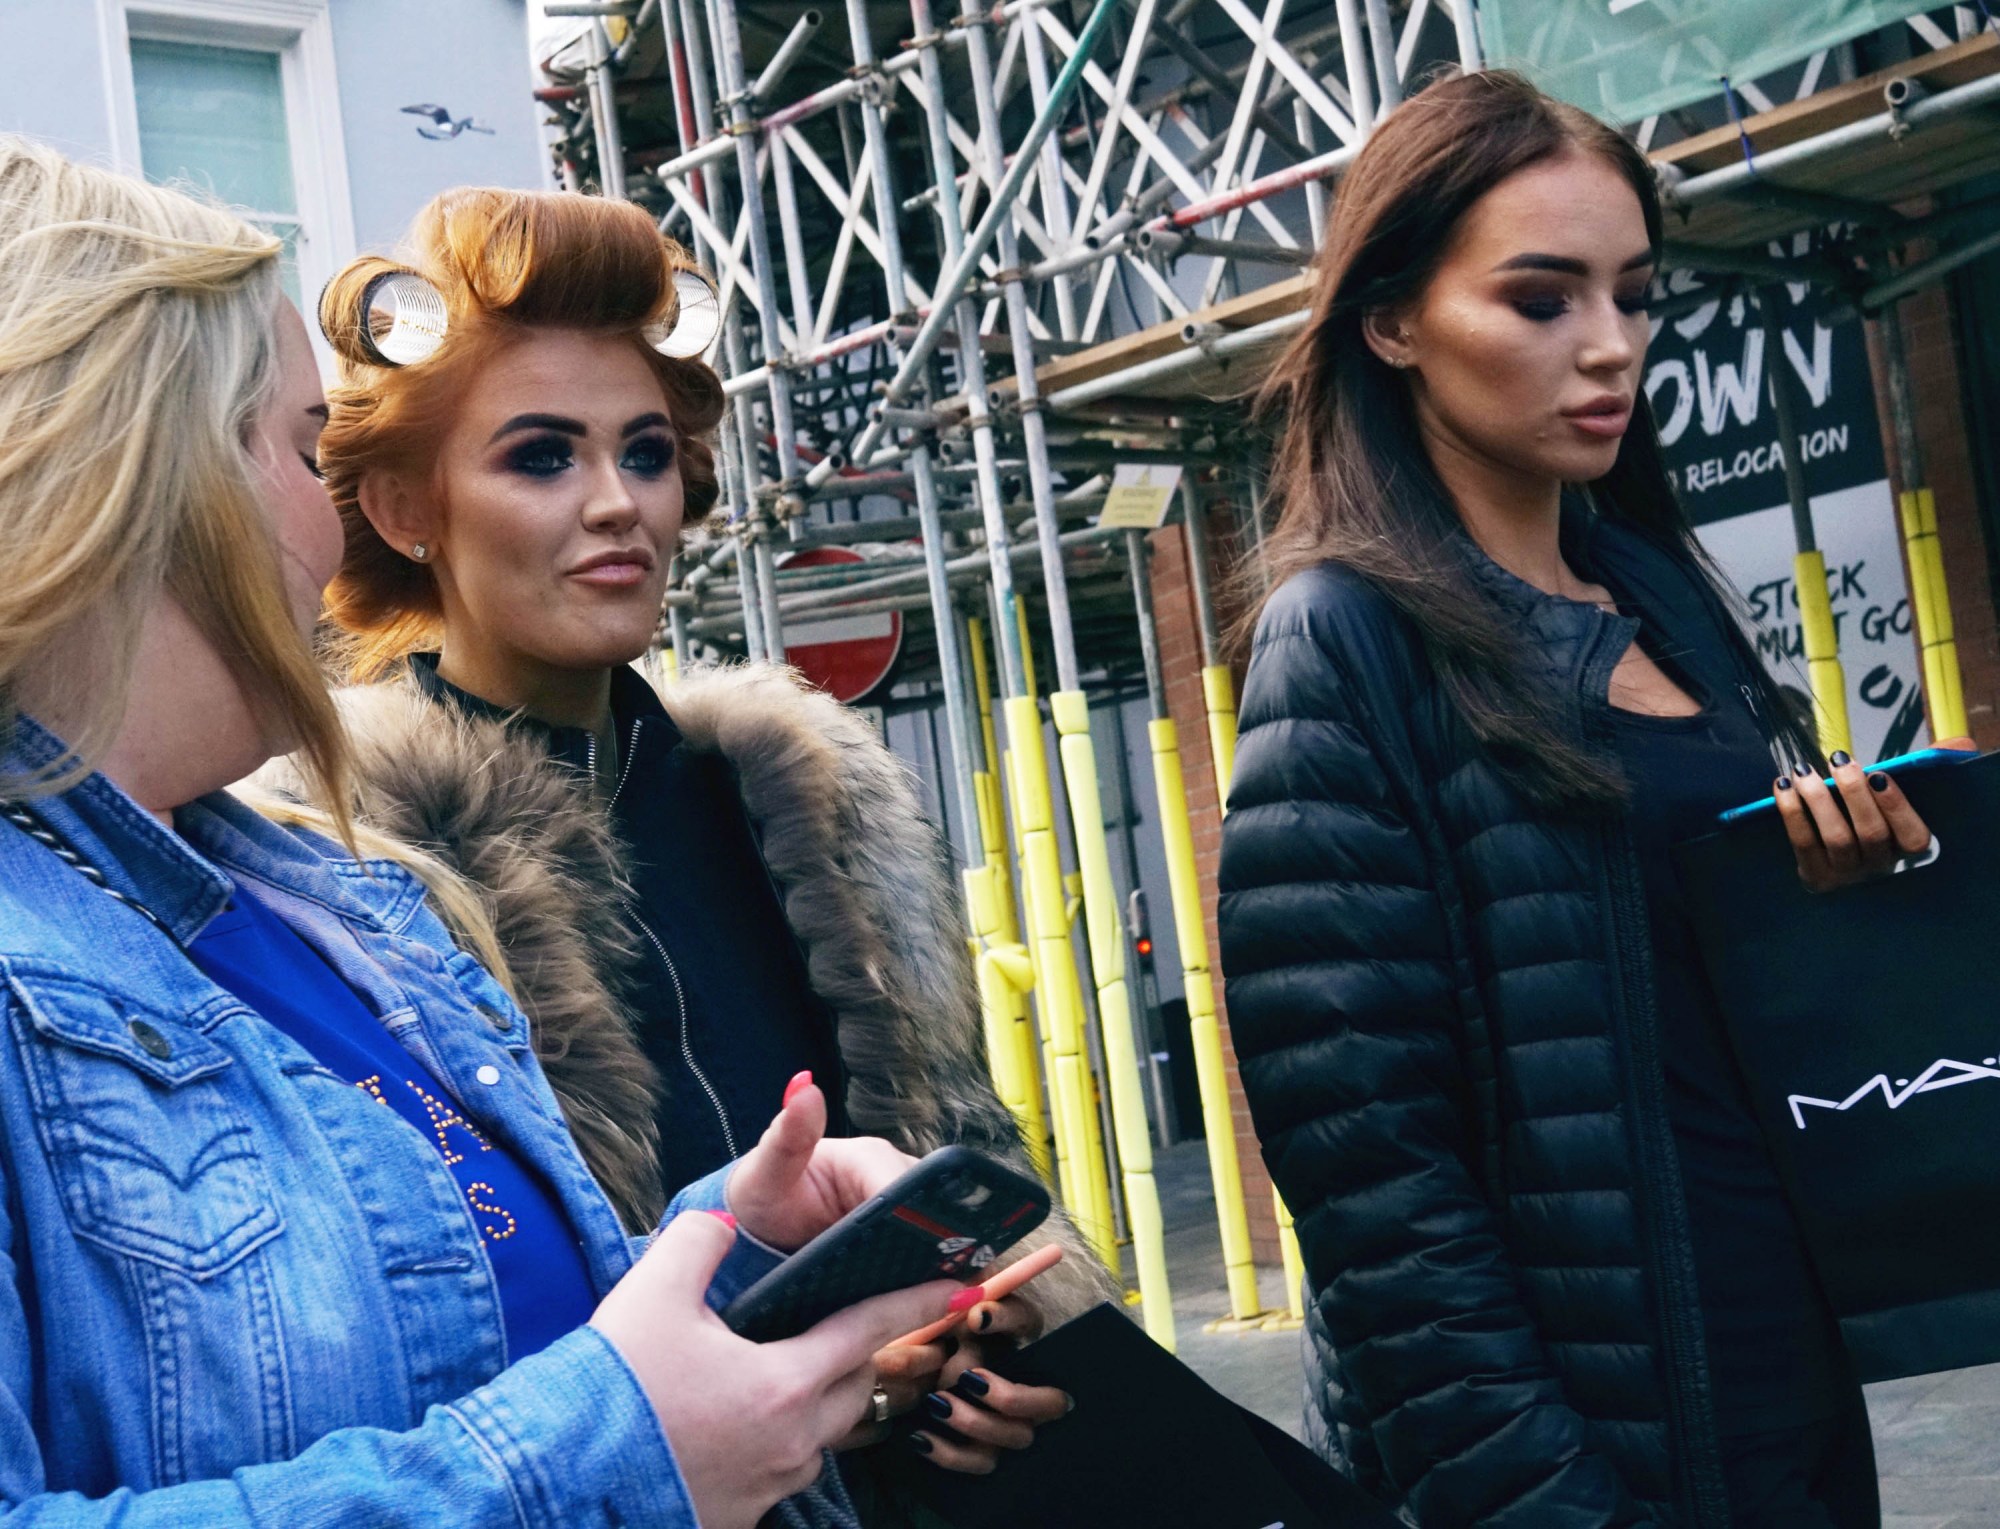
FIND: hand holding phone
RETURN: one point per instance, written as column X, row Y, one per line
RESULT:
column 1856, row 826
column 949, row 1216
column 1901, row 765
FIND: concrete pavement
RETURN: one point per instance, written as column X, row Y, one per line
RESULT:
column 1937, row 1437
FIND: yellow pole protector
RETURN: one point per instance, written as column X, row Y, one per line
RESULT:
column 1931, row 598
column 1822, row 644
column 1006, row 973
column 1191, row 935
column 1219, row 690
column 1106, row 937
column 1295, row 1263
column 1086, row 1188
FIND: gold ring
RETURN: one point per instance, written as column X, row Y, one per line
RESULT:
column 880, row 1398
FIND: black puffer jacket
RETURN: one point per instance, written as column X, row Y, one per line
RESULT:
column 1441, row 998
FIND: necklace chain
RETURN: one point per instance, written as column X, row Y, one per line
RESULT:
column 31, row 824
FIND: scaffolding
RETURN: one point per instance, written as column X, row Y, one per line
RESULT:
column 971, row 264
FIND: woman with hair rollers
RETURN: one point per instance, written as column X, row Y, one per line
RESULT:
column 1554, row 1279
column 705, row 897
column 293, row 1231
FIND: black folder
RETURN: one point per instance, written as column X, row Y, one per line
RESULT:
column 1149, row 1444
column 1866, row 1026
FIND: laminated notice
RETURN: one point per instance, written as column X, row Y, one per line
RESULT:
column 1140, row 495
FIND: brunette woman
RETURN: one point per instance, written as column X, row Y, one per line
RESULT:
column 1554, row 1281
column 704, row 896
column 293, row 1233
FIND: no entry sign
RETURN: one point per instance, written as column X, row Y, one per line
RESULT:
column 849, row 657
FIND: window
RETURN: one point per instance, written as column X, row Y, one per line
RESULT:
column 215, row 118
column 239, row 98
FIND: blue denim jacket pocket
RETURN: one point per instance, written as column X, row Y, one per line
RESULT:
column 150, row 1158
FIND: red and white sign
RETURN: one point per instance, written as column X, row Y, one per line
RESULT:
column 849, row 657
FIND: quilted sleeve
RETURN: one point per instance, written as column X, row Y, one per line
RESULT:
column 1343, row 1006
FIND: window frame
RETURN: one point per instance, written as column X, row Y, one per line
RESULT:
column 300, row 33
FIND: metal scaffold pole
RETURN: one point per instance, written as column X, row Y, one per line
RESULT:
column 736, row 451
column 1821, row 635
column 1191, row 935
column 1071, row 711
column 1004, row 966
column 1944, row 686
column 1081, row 1172
column 1218, row 686
column 1219, row 694
column 741, row 105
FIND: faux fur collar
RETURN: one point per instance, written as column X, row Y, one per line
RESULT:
column 864, row 879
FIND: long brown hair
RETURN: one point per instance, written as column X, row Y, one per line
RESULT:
column 1351, row 474
column 506, row 262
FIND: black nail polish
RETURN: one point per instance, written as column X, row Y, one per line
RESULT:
column 1841, row 759
column 920, row 1442
column 972, row 1384
column 985, row 1321
column 938, row 1406
column 1784, row 783
column 1878, row 780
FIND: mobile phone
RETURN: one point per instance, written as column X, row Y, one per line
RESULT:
column 1902, row 764
column 947, row 1218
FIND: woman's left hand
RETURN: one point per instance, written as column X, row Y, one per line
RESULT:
column 974, row 1414
column 906, row 1374
column 795, row 1183
column 1855, row 837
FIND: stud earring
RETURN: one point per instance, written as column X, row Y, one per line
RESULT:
column 420, row 552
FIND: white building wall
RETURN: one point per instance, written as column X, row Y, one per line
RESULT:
column 63, row 79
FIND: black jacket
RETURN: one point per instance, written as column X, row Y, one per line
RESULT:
column 1441, row 999
column 726, row 1012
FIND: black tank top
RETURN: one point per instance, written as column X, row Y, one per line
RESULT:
column 1772, row 1347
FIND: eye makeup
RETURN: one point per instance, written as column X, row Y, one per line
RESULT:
column 650, row 456
column 540, row 456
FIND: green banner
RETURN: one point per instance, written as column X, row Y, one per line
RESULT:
column 1628, row 59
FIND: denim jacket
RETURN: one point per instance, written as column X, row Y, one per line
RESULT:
column 234, row 1291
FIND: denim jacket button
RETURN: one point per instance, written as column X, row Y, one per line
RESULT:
column 150, row 1040
column 489, row 1074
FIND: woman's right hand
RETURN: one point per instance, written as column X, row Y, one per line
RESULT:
column 747, row 1421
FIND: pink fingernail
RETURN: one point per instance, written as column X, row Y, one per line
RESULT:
column 725, row 1218
column 966, row 1299
column 799, row 1081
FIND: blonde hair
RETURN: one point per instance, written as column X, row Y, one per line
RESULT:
column 136, row 347
column 506, row 263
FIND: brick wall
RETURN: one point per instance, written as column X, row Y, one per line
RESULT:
column 1930, row 344
column 1181, row 661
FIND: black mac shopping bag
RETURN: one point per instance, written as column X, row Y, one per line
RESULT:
column 1149, row 1446
column 1866, row 1025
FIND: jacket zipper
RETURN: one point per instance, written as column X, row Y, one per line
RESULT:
column 590, row 759
column 659, row 946
column 1689, row 1401
column 687, row 1045
column 1785, row 767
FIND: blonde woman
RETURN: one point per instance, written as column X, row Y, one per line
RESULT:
column 293, row 1229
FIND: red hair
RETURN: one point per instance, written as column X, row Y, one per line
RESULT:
column 506, row 262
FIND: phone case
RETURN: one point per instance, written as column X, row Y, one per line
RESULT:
column 949, row 1217
column 1901, row 765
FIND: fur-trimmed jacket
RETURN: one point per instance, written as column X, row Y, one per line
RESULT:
column 862, row 879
